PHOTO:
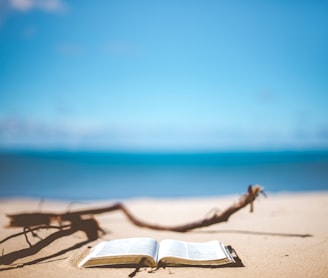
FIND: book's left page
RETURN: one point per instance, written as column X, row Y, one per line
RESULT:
column 129, row 251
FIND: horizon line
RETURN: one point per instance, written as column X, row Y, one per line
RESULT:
column 159, row 150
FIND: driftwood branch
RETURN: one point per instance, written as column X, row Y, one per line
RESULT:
column 247, row 199
column 82, row 220
column 74, row 218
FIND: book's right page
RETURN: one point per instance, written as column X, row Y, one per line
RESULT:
column 175, row 252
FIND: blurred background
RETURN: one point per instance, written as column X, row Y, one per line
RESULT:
column 160, row 98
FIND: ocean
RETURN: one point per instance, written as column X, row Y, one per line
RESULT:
column 82, row 175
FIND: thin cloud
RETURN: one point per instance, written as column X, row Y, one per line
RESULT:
column 44, row 5
column 16, row 131
column 8, row 7
column 19, row 132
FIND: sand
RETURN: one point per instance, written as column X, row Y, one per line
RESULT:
column 286, row 236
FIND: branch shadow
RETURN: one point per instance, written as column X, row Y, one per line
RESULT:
column 40, row 260
column 15, row 255
column 247, row 232
column 88, row 226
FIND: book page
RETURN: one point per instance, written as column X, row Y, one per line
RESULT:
column 118, row 249
column 188, row 251
column 129, row 246
column 205, row 251
column 172, row 248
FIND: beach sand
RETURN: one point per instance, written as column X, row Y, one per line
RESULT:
column 285, row 236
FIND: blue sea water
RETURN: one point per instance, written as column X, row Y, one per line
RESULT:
column 74, row 175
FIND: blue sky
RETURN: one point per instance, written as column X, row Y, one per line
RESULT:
column 163, row 75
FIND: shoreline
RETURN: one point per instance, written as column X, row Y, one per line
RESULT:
column 164, row 198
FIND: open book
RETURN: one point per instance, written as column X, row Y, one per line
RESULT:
column 148, row 252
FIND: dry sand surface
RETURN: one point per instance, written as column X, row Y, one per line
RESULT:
column 286, row 236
